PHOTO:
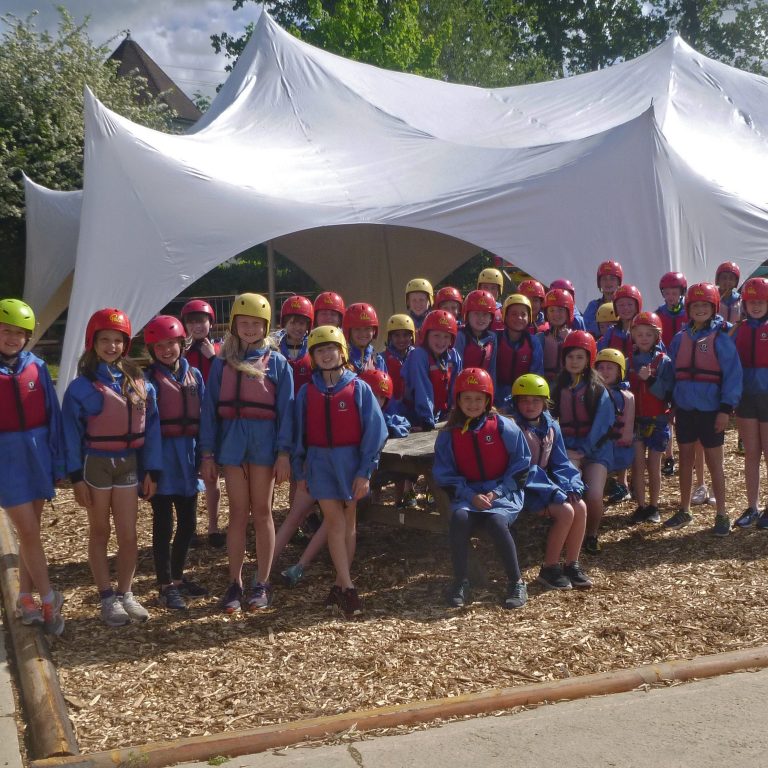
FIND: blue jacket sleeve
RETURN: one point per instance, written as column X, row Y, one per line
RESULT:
column 284, row 403
column 537, row 356
column 730, row 365
column 590, row 316
column 561, row 469
column 397, row 426
column 374, row 429
column 519, row 458
column 665, row 380
column 605, row 415
column 55, row 429
column 209, row 423
column 416, row 373
column 74, row 412
column 151, row 453
column 299, row 453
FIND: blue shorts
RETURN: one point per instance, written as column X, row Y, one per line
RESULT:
column 655, row 434
column 247, row 441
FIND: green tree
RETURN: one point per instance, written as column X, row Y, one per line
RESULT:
column 42, row 80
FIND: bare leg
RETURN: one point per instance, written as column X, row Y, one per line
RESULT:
column 654, row 475
column 262, row 484
column 33, row 567
column 236, row 480
column 638, row 473
column 714, row 459
column 125, row 508
column 595, row 476
column 300, row 508
column 699, row 465
column 334, row 514
column 686, row 456
column 749, row 430
column 99, row 529
column 316, row 544
column 576, row 535
column 212, row 501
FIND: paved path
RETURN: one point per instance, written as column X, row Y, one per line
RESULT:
column 9, row 740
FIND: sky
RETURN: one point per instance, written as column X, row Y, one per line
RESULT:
column 175, row 33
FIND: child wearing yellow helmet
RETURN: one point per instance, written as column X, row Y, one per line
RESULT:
column 419, row 298
column 340, row 432
column 492, row 280
column 246, row 426
column 554, row 487
column 32, row 447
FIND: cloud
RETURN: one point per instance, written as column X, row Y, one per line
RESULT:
column 177, row 35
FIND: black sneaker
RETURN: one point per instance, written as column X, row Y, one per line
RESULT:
column 747, row 518
column 517, row 595
column 170, row 597
column 722, row 526
column 668, row 467
column 217, row 540
column 458, row 594
column 195, row 542
column 618, row 494
column 334, row 598
column 552, row 577
column 592, row 545
column 350, row 604
column 638, row 516
column 680, row 519
column 762, row 521
column 233, row 599
column 652, row 514
column 191, row 590
column 577, row 577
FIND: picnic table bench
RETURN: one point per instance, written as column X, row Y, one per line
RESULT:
column 412, row 455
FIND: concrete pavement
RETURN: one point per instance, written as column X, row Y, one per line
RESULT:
column 10, row 756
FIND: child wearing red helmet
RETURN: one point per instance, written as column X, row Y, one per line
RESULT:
column 198, row 318
column 361, row 327
column 482, row 461
column 180, row 390
column 296, row 317
column 627, row 302
column 329, row 309
column 586, row 414
column 727, row 279
column 673, row 286
column 112, row 435
column 651, row 381
column 476, row 341
column 451, row 300
column 558, row 305
column 430, row 371
column 708, row 386
column 610, row 275
column 32, row 447
column 577, row 320
column 751, row 338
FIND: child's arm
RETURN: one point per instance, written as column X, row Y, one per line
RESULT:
column 373, row 427
column 565, row 474
column 605, row 416
column 299, row 451
column 55, row 429
column 417, row 370
column 209, row 422
column 519, row 459
column 537, row 355
column 285, row 405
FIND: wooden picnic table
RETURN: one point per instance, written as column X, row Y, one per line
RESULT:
column 411, row 455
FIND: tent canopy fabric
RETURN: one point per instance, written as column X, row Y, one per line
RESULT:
column 658, row 162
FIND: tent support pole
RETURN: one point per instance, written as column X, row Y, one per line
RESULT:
column 271, row 279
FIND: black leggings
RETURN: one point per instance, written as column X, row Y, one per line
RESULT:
column 464, row 524
column 170, row 558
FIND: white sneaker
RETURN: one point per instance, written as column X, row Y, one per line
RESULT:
column 112, row 612
column 53, row 621
column 700, row 496
column 133, row 607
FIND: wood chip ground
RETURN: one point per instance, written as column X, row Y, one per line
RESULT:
column 658, row 595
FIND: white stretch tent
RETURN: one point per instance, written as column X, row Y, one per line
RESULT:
column 660, row 162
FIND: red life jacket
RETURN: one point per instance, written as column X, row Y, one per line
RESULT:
column 23, row 400
column 647, row 405
column 198, row 360
column 511, row 361
column 121, row 423
column 440, row 378
column 333, row 419
column 624, row 345
column 552, row 361
column 623, row 428
column 540, row 445
column 302, row 371
column 480, row 454
column 575, row 418
column 697, row 361
column 476, row 355
column 246, row 397
column 671, row 325
column 178, row 404
column 497, row 324
column 731, row 312
column 752, row 344
column 394, row 368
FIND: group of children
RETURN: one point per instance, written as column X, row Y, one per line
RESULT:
column 314, row 403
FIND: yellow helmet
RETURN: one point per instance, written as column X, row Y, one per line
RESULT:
column 17, row 313
column 610, row 355
column 517, row 298
column 327, row 334
column 420, row 284
column 401, row 323
column 606, row 313
column 530, row 384
column 250, row 305
column 493, row 276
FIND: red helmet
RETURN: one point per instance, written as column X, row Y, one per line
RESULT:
column 728, row 266
column 329, row 300
column 702, row 292
column 628, row 292
column 533, row 289
column 360, row 315
column 610, row 268
column 580, row 340
column 448, row 293
column 380, row 382
column 163, row 327
column 673, row 280
column 558, row 297
column 109, row 319
column 647, row 318
column 474, row 380
column 563, row 284
column 755, row 289
column 297, row 305
column 194, row 306
column 438, row 320
column 479, row 301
